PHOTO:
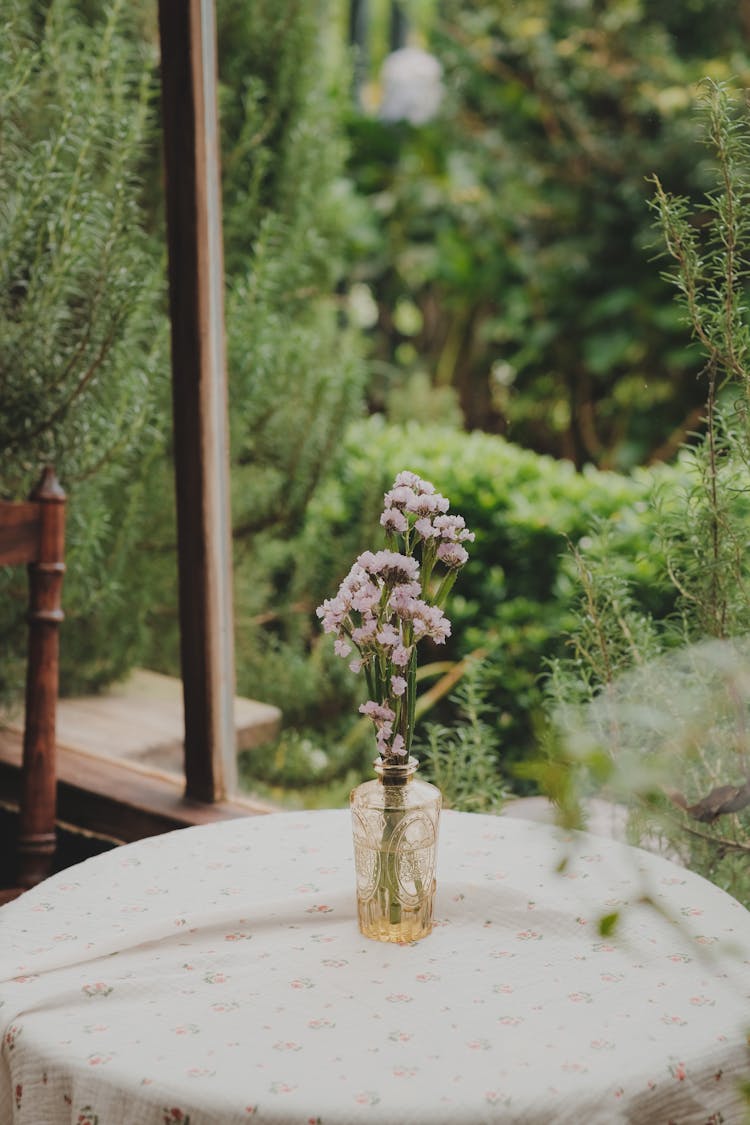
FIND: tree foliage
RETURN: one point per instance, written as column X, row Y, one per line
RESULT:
column 81, row 332
column 513, row 233
column 669, row 703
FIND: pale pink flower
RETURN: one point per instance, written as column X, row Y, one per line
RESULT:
column 453, row 529
column 394, row 521
column 452, row 555
column 389, row 636
column 425, row 528
column 366, row 631
column 432, row 622
column 406, row 479
column 380, row 602
column 390, row 566
column 399, row 746
column 427, row 505
column 399, row 498
column 377, row 711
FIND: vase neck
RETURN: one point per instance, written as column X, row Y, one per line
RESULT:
column 396, row 772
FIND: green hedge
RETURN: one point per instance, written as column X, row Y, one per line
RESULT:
column 517, row 594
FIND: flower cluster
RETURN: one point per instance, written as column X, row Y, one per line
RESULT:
column 392, row 599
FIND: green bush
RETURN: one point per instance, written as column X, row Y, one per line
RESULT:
column 516, row 596
column 82, row 331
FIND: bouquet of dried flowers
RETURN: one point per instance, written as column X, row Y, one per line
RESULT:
column 392, row 599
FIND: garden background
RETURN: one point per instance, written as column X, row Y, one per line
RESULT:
column 477, row 297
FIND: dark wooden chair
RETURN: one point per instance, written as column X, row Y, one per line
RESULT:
column 33, row 532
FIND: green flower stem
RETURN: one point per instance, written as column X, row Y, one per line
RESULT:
column 445, row 588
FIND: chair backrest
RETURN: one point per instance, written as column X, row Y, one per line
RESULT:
column 33, row 532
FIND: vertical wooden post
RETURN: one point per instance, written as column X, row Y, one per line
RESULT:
column 358, row 38
column 36, row 830
column 201, row 442
column 399, row 26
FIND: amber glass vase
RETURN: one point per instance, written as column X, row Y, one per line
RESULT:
column 395, row 823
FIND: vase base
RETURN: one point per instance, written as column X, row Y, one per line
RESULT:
column 413, row 925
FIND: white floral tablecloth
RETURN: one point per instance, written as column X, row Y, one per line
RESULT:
column 216, row 975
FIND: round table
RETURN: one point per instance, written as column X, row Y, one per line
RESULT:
column 216, row 975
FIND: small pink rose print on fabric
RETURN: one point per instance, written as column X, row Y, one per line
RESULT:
column 691, row 911
column 99, row 988
column 200, row 1072
column 612, row 978
column 26, row 978
column 601, row 1045
column 175, row 1116
column 529, row 935
column 301, row 982
column 281, row 1045
column 679, row 958
column 186, row 1029
column 42, row 907
column 673, row 881
column 331, row 963
column 678, row 1071
column 603, row 947
column 225, row 1006
column 503, row 989
column 321, row 908
column 580, row 997
column 704, row 939
column 618, row 1093
column 497, row 953
column 702, row 1002
column 215, row 978
column 237, row 935
column 320, row 1024
column 405, row 1071
column 423, row 978
column 250, row 1110
column 510, row 1021
column 399, row 1036
column 367, row 1097
column 93, row 1028
column 99, row 1060
column 574, row 1068
column 11, row 1035
column 307, row 888
column 399, row 998
column 493, row 1097
column 18, row 1093
column 581, row 922
column 673, row 1021
column 281, row 1088
column 479, row 1045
